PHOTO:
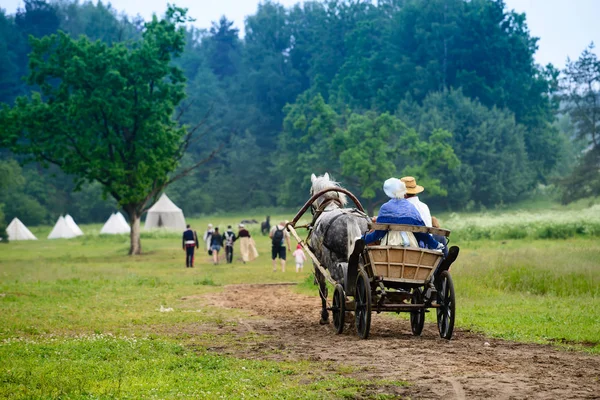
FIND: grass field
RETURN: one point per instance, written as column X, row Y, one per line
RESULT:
column 81, row 319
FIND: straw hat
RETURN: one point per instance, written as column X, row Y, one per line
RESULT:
column 411, row 185
column 394, row 188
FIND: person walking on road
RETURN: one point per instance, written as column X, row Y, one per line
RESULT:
column 279, row 238
column 189, row 242
column 216, row 242
column 229, row 238
column 208, row 236
column 247, row 246
column 300, row 257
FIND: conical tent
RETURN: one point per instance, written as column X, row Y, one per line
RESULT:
column 165, row 214
column 115, row 225
column 107, row 227
column 62, row 230
column 16, row 230
column 122, row 220
column 73, row 225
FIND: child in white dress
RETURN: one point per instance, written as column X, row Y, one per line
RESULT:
column 300, row 258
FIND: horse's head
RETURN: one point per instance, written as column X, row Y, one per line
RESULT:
column 324, row 182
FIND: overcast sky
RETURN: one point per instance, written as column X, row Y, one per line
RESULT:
column 565, row 27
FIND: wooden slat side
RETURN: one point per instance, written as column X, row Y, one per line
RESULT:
column 409, row 228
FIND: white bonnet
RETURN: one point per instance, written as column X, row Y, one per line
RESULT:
column 394, row 188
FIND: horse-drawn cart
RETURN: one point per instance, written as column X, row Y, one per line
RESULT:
column 387, row 278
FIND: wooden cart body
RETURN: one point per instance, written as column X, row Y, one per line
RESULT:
column 402, row 264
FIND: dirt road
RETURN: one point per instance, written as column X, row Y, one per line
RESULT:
column 469, row 366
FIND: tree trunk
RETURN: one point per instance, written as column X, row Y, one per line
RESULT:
column 135, row 247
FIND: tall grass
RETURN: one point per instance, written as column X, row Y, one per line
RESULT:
column 557, row 223
column 534, row 290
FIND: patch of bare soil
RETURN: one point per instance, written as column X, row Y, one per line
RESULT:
column 464, row 367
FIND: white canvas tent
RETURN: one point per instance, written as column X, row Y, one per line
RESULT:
column 165, row 214
column 62, row 230
column 115, row 225
column 73, row 225
column 16, row 230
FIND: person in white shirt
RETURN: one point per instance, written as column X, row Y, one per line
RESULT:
column 412, row 190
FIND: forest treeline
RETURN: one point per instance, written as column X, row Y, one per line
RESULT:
column 445, row 90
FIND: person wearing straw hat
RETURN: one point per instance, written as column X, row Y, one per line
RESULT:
column 412, row 190
column 398, row 210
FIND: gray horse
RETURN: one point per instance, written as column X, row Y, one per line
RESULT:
column 334, row 234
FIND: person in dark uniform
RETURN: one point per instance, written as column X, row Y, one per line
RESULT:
column 189, row 242
column 228, row 238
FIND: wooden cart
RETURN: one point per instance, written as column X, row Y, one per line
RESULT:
column 386, row 278
column 400, row 279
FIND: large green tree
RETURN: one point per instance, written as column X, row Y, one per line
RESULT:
column 494, row 165
column 361, row 150
column 107, row 113
column 581, row 95
column 304, row 147
column 581, row 99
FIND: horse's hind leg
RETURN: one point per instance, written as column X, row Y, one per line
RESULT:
column 323, row 293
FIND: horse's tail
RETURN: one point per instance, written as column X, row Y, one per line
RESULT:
column 354, row 232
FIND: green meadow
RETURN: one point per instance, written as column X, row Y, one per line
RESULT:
column 81, row 319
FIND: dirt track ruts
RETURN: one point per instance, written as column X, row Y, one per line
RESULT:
column 465, row 367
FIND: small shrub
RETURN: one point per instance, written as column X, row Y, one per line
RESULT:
column 149, row 281
column 207, row 281
column 513, row 232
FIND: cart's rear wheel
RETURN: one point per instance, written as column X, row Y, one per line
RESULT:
column 447, row 305
column 417, row 317
column 362, row 300
column 339, row 308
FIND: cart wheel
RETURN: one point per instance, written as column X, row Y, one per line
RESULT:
column 446, row 311
column 362, row 300
column 339, row 308
column 417, row 317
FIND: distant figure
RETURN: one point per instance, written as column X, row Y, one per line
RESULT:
column 265, row 226
column 279, row 237
column 189, row 242
column 207, row 236
column 300, row 258
column 216, row 242
column 247, row 246
column 229, row 237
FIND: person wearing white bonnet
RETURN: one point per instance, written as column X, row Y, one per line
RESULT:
column 208, row 236
column 398, row 210
column 394, row 188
